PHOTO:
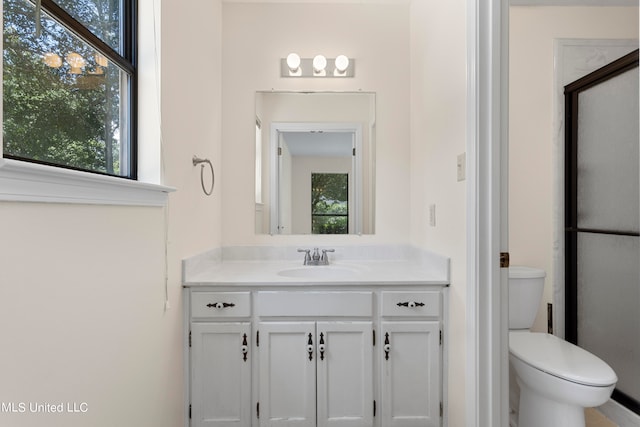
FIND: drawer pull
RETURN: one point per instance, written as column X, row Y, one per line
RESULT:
column 410, row 304
column 244, row 348
column 220, row 304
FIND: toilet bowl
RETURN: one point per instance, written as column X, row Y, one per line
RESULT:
column 557, row 379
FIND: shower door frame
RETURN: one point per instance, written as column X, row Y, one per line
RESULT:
column 572, row 91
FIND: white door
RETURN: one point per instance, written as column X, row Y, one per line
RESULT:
column 287, row 374
column 410, row 358
column 221, row 375
column 344, row 374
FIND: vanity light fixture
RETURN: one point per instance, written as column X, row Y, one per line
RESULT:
column 319, row 66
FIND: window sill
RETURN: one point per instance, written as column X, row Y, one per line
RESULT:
column 30, row 182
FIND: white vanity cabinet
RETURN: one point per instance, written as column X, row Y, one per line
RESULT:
column 337, row 356
column 316, row 374
column 220, row 353
column 411, row 362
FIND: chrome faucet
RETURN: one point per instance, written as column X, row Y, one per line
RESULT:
column 316, row 258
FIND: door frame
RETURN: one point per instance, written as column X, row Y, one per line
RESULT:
column 278, row 128
column 487, row 223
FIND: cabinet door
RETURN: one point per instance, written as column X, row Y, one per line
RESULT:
column 410, row 358
column 220, row 374
column 345, row 374
column 287, row 374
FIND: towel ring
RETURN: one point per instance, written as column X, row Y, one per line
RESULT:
column 199, row 161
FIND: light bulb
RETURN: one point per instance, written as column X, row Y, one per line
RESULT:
column 293, row 61
column 76, row 62
column 101, row 60
column 319, row 63
column 342, row 63
column 52, row 60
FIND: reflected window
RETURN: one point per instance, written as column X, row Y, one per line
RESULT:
column 329, row 203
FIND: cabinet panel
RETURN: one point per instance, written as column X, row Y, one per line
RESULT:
column 410, row 357
column 297, row 304
column 220, row 375
column 287, row 374
column 345, row 374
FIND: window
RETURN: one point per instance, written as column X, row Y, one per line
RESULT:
column 69, row 92
column 329, row 203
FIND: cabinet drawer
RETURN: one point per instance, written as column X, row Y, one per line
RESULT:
column 425, row 304
column 305, row 304
column 220, row 304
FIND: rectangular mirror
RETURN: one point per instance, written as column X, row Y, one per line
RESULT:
column 315, row 163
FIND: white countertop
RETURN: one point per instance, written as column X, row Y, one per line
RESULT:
column 211, row 269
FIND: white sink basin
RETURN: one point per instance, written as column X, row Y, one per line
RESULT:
column 319, row 272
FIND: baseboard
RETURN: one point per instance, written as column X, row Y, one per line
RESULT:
column 619, row 414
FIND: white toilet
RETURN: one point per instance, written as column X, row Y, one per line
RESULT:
column 557, row 379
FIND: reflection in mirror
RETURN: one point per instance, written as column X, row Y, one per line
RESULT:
column 315, row 163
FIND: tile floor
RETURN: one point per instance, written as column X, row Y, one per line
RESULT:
column 594, row 418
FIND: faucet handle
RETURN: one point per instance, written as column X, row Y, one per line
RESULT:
column 307, row 255
column 324, row 257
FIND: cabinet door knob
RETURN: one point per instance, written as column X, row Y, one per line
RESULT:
column 310, row 346
column 244, row 348
column 387, row 346
column 321, row 346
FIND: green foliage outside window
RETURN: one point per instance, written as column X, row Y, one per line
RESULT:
column 56, row 114
column 329, row 203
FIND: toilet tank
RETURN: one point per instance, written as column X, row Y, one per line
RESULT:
column 526, row 285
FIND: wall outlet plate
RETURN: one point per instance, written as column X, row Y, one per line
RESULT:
column 461, row 167
column 432, row 215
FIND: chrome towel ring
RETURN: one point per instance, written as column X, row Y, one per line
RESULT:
column 199, row 161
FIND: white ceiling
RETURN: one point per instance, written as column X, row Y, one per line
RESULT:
column 326, row 144
column 574, row 2
column 512, row 2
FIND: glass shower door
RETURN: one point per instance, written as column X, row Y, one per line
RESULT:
column 603, row 221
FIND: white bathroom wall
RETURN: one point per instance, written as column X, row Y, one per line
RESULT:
column 533, row 174
column 255, row 37
column 438, row 121
column 82, row 288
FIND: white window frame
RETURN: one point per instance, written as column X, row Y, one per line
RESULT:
column 22, row 181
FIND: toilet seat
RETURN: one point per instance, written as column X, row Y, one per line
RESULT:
column 560, row 358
